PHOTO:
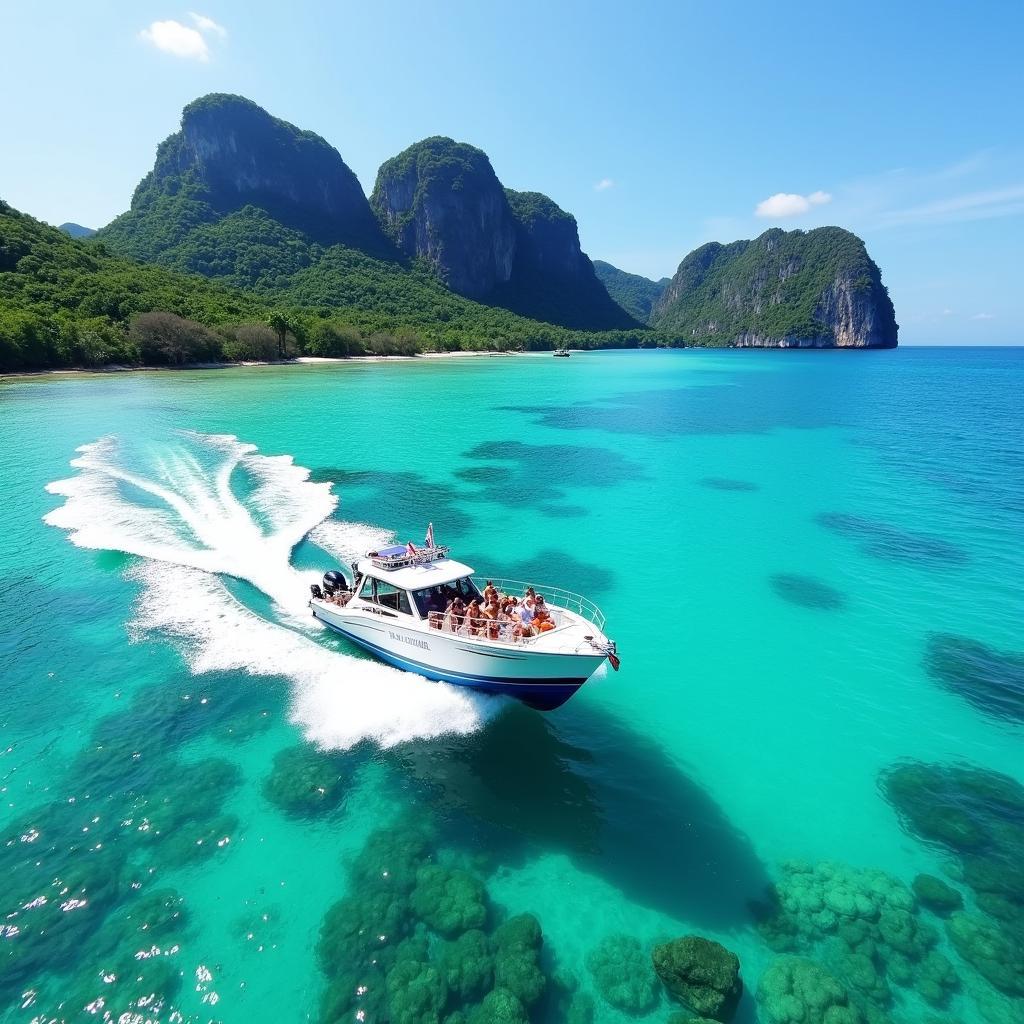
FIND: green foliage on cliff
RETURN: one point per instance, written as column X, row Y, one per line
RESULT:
column 532, row 207
column 635, row 294
column 65, row 302
column 775, row 286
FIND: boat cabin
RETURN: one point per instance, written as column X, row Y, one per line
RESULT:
column 396, row 580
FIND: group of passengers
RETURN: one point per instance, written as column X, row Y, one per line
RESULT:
column 499, row 616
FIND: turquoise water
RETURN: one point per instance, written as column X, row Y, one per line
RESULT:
column 813, row 564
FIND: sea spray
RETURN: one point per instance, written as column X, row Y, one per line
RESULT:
column 209, row 506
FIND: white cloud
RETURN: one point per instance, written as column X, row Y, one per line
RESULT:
column 790, row 204
column 205, row 24
column 177, row 39
column 603, row 185
column 983, row 316
column 947, row 312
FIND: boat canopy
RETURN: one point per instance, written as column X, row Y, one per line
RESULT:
column 413, row 572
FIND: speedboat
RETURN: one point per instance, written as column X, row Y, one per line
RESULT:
column 561, row 353
column 402, row 605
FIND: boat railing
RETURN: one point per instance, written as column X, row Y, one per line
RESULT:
column 505, row 631
column 556, row 596
column 400, row 557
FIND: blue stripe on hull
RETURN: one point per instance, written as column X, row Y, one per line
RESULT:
column 545, row 696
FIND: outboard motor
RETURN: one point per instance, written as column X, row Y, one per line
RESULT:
column 335, row 583
column 314, row 589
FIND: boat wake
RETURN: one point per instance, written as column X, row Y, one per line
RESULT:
column 210, row 506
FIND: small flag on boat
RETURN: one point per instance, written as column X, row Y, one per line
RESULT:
column 411, row 548
column 430, row 536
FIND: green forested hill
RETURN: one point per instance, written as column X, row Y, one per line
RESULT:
column 635, row 294
column 66, row 302
column 817, row 288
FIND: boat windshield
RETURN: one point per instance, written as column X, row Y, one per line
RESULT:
column 436, row 599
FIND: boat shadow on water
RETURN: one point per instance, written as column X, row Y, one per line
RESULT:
column 589, row 786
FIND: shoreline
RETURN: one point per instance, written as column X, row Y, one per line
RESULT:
column 254, row 363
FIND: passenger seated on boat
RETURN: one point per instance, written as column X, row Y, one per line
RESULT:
column 525, row 611
column 490, row 593
column 542, row 617
column 455, row 614
column 474, row 618
column 491, row 614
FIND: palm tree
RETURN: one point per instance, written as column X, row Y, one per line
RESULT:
column 279, row 324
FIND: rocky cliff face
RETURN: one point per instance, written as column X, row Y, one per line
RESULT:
column 548, row 241
column 441, row 200
column 797, row 289
column 230, row 153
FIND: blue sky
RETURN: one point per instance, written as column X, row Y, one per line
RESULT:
column 659, row 125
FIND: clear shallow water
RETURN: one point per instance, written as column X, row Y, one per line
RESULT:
column 776, row 539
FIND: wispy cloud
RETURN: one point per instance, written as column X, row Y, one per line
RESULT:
column 181, row 40
column 603, row 185
column 984, row 205
column 205, row 24
column 790, row 204
column 983, row 316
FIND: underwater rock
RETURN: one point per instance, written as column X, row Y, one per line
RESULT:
column 622, row 974
column 806, row 591
column 416, row 992
column 245, row 726
column 306, row 781
column 794, row 990
column 517, row 945
column 991, row 680
column 891, row 543
column 129, row 989
column 197, row 841
column 935, row 979
column 467, row 965
column 979, row 815
column 812, row 902
column 936, row 895
column 701, row 973
column 988, row 950
column 499, row 1007
column 52, row 904
column 449, row 900
column 391, row 857
column 185, row 796
column 860, row 971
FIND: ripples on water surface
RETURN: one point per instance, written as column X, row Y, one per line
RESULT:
column 812, row 562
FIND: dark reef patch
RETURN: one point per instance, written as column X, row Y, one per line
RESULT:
column 991, row 680
column 589, row 787
column 736, row 407
column 306, row 781
column 515, row 473
column 418, row 940
column 403, row 501
column 720, row 483
column 892, row 544
column 562, row 511
column 806, row 591
column 978, row 815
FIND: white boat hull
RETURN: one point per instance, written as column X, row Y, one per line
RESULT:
column 544, row 672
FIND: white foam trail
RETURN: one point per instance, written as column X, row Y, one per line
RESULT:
column 337, row 700
column 183, row 517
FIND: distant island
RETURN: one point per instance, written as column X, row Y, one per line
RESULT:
column 76, row 230
column 252, row 239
